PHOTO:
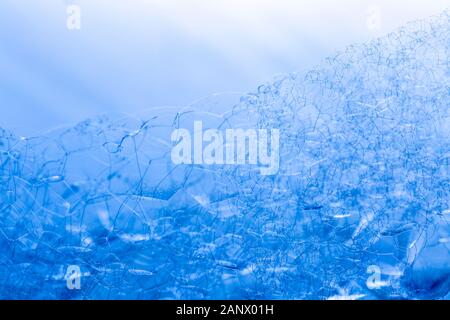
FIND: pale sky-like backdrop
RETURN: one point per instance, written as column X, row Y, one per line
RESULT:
column 130, row 55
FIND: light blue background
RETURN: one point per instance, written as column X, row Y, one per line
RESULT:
column 131, row 55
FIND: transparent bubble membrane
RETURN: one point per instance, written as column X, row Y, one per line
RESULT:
column 364, row 182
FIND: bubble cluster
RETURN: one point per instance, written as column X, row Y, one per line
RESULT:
column 364, row 181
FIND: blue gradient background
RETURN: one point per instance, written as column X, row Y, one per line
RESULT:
column 132, row 55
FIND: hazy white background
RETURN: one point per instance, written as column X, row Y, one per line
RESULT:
column 134, row 54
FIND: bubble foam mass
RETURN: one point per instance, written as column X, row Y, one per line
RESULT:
column 363, row 187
